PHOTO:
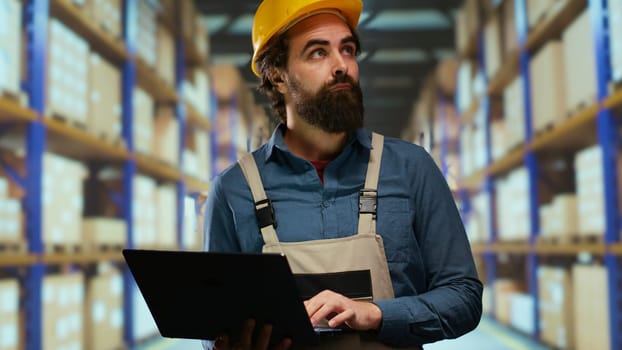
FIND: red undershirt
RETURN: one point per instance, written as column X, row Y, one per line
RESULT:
column 320, row 165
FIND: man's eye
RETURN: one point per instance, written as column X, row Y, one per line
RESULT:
column 317, row 53
column 349, row 50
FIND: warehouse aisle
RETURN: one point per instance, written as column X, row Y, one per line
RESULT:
column 489, row 335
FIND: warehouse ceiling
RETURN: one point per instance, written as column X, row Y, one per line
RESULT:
column 402, row 40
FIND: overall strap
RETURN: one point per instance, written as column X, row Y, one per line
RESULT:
column 263, row 206
column 368, row 196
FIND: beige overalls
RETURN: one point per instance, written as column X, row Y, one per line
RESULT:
column 362, row 251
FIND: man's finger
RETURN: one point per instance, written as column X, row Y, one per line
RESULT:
column 341, row 318
column 264, row 337
column 247, row 334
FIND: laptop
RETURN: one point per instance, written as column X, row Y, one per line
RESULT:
column 202, row 295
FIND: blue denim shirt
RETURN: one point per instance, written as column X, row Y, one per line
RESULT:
column 437, row 291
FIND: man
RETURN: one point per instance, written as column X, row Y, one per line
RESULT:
column 335, row 199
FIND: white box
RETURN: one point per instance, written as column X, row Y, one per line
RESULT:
column 579, row 62
column 10, row 45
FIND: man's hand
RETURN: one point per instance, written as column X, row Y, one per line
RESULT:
column 338, row 309
column 246, row 340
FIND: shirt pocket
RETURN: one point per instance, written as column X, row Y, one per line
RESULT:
column 395, row 218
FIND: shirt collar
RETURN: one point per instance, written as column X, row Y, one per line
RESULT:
column 361, row 136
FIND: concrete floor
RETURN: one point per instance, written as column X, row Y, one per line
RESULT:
column 489, row 335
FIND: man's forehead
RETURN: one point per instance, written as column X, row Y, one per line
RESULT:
column 320, row 24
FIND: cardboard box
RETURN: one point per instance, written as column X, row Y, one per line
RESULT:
column 615, row 39
column 510, row 37
column 105, row 99
column 492, row 45
column 9, row 314
column 11, row 221
column 107, row 15
column 579, row 63
column 146, row 35
column 166, row 197
column 10, row 45
column 522, row 313
column 63, row 310
column 591, row 307
column 504, row 290
column 104, row 231
column 556, row 307
column 144, row 217
column 104, row 312
column 166, row 55
column 548, row 85
column 63, row 199
column 166, row 141
column 514, row 112
column 143, row 105
column 67, row 74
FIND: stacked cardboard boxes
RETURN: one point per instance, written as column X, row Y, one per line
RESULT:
column 68, row 74
column 143, row 106
column 590, row 191
column 63, row 200
column 548, row 85
column 478, row 228
column 10, row 45
column 591, row 307
column 514, row 113
column 146, row 34
column 165, row 55
column 579, row 63
column 522, row 314
column 105, row 99
column 9, row 314
column 555, row 308
column 504, row 290
column 615, row 41
column 492, row 38
column 467, row 23
column 104, row 311
column 103, row 231
column 166, row 135
column 144, row 214
column 11, row 225
column 196, row 89
column 192, row 235
column 513, row 206
column 166, row 229
column 63, row 309
column 106, row 14
column 559, row 218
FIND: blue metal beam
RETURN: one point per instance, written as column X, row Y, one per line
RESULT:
column 182, row 118
column 130, row 20
column 607, row 138
column 36, row 23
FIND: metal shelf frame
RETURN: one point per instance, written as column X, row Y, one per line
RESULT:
column 39, row 134
column 607, row 128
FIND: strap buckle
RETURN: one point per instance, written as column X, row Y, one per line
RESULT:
column 368, row 201
column 265, row 213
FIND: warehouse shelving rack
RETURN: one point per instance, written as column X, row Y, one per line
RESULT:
column 42, row 133
column 596, row 124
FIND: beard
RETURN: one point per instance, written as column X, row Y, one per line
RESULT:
column 330, row 111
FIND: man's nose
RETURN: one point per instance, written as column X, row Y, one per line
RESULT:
column 340, row 68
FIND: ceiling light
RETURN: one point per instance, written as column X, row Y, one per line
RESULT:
column 409, row 19
column 215, row 23
column 401, row 56
column 242, row 25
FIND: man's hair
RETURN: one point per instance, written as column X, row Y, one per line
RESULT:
column 273, row 59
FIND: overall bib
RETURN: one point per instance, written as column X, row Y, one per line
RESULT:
column 363, row 251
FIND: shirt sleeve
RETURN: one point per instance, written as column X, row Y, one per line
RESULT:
column 218, row 225
column 452, row 303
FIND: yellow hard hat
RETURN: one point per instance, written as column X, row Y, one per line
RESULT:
column 275, row 16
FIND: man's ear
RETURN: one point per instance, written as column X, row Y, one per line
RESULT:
column 277, row 78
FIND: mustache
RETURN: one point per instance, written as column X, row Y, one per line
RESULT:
column 340, row 80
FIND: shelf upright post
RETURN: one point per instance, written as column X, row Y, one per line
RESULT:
column 182, row 118
column 36, row 22
column 607, row 127
column 130, row 20
column 484, row 106
column 531, row 162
